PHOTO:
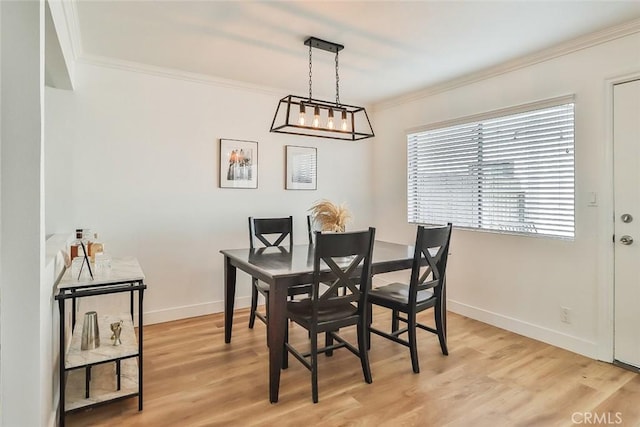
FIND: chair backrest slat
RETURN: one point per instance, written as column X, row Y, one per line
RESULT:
column 348, row 259
column 431, row 253
column 270, row 231
column 310, row 223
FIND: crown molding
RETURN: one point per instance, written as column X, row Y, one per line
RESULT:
column 73, row 28
column 561, row 49
column 136, row 67
column 172, row 73
column 72, row 25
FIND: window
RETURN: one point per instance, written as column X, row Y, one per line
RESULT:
column 510, row 171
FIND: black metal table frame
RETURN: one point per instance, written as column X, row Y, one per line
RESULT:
column 81, row 291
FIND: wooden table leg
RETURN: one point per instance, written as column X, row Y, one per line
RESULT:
column 277, row 323
column 229, row 297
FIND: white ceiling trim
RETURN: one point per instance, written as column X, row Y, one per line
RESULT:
column 71, row 25
column 171, row 73
column 574, row 45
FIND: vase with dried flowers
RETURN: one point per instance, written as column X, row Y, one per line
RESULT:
column 329, row 216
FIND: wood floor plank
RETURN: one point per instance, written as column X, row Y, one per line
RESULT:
column 490, row 378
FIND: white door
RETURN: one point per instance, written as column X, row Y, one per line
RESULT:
column 626, row 176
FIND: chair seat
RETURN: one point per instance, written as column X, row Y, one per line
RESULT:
column 397, row 293
column 301, row 310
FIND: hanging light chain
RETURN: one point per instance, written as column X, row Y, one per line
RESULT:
column 337, row 82
column 310, row 74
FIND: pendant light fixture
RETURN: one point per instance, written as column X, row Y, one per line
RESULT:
column 307, row 116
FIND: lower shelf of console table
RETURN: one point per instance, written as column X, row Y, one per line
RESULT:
column 101, row 364
column 103, row 384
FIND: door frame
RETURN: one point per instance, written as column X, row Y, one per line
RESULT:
column 606, row 252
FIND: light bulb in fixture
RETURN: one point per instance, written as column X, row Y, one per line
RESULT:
column 316, row 116
column 330, row 121
column 344, row 120
column 302, row 114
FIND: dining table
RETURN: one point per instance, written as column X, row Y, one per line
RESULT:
column 284, row 266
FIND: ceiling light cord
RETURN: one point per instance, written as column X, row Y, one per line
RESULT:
column 337, row 83
column 310, row 74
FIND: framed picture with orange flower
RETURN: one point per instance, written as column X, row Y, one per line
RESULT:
column 238, row 163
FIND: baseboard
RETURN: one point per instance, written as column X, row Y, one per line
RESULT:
column 549, row 336
column 536, row 332
column 194, row 310
column 627, row 366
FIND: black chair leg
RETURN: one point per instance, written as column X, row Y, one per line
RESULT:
column 440, row 327
column 395, row 323
column 314, row 366
column 328, row 341
column 363, row 352
column 413, row 344
column 369, row 322
column 254, row 303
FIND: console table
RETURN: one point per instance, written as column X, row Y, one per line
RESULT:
column 108, row 372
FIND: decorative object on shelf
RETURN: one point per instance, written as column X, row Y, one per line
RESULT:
column 329, row 216
column 85, row 261
column 116, row 328
column 90, row 331
column 78, row 265
column 80, row 248
column 95, row 248
column 75, row 246
column 102, row 264
column 298, row 115
column 301, row 168
column 238, row 164
column 83, row 235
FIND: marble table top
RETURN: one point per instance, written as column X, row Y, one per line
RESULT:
column 123, row 270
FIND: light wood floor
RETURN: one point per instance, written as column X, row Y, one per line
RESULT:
column 490, row 378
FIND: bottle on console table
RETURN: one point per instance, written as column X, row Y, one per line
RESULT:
column 76, row 249
column 95, row 247
column 83, row 235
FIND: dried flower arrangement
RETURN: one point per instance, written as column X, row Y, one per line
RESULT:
column 329, row 216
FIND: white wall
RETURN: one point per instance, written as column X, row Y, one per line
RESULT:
column 134, row 156
column 26, row 315
column 519, row 283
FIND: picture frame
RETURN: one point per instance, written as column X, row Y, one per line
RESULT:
column 301, row 168
column 238, row 163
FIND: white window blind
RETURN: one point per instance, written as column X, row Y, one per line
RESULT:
column 510, row 173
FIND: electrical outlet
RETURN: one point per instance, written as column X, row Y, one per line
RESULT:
column 565, row 314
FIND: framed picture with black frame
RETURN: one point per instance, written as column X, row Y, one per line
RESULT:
column 238, row 163
column 301, row 168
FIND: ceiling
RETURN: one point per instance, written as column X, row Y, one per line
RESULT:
column 391, row 47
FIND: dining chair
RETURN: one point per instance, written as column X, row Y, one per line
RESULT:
column 270, row 232
column 310, row 228
column 426, row 289
column 340, row 259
